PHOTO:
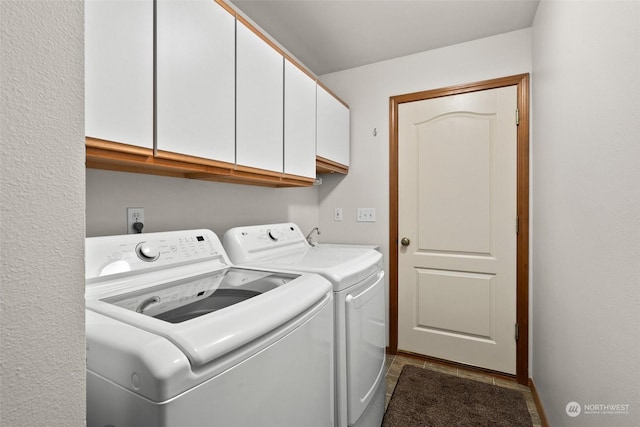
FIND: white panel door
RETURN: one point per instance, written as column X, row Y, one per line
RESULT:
column 119, row 71
column 299, row 122
column 195, row 79
column 259, row 102
column 457, row 208
column 333, row 128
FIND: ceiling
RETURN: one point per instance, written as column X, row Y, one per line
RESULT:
column 334, row 35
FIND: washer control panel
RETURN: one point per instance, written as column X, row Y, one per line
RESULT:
column 109, row 255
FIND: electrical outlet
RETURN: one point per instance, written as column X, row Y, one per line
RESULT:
column 337, row 214
column 134, row 215
column 366, row 215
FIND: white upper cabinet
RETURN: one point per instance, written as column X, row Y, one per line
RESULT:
column 196, row 79
column 299, row 122
column 259, row 102
column 119, row 71
column 333, row 128
column 210, row 93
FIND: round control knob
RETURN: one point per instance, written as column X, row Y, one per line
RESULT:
column 274, row 235
column 147, row 251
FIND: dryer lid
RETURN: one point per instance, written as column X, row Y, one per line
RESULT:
column 283, row 246
column 343, row 267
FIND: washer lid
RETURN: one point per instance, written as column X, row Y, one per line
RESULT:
column 186, row 299
column 211, row 314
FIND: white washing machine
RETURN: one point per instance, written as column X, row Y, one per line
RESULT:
column 359, row 298
column 178, row 337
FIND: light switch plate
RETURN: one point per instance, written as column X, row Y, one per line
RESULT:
column 366, row 215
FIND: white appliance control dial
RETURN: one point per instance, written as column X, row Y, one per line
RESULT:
column 147, row 251
column 274, row 235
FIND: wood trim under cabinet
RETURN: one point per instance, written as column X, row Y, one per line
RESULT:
column 114, row 156
column 103, row 144
column 324, row 165
column 185, row 158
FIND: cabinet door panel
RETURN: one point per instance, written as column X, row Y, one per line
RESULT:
column 119, row 71
column 259, row 102
column 333, row 128
column 299, row 122
column 195, row 79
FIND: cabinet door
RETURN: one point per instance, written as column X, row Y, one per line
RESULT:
column 299, row 122
column 119, row 71
column 259, row 102
column 195, row 79
column 333, row 128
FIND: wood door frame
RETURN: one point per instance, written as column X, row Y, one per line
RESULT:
column 521, row 81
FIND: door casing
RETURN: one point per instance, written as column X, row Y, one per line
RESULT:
column 521, row 81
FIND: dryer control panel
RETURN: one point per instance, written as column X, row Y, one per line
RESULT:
column 245, row 244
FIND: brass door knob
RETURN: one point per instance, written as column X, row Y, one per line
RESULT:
column 405, row 241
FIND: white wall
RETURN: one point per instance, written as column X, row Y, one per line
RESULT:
column 586, row 201
column 367, row 90
column 175, row 203
column 42, row 351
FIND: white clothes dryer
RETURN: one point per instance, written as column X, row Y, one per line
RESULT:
column 179, row 337
column 359, row 298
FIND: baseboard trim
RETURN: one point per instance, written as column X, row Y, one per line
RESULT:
column 538, row 402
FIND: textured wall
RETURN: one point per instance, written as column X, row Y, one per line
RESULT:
column 42, row 347
column 586, row 200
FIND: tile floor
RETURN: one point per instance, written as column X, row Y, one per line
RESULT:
column 394, row 365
